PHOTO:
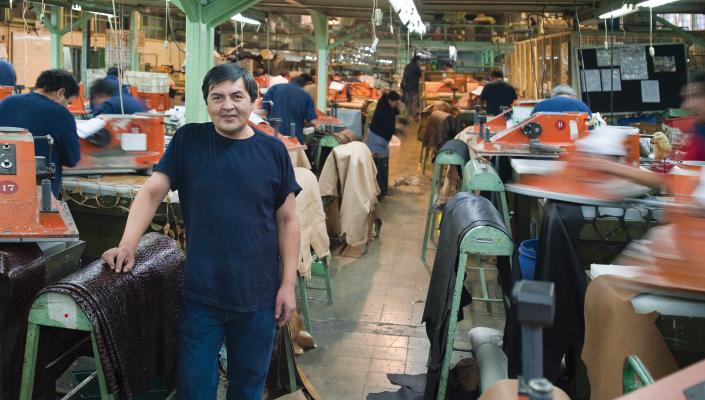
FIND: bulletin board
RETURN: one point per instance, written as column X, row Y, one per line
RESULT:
column 639, row 82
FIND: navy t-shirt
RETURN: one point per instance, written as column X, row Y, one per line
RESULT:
column 291, row 104
column 43, row 116
column 498, row 94
column 112, row 106
column 561, row 104
column 229, row 192
column 7, row 74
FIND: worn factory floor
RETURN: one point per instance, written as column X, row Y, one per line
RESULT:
column 374, row 326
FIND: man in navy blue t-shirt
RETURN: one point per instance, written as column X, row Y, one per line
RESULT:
column 291, row 104
column 562, row 100
column 106, row 100
column 8, row 77
column 237, row 194
column 43, row 112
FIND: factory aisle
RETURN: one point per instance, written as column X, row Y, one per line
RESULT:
column 374, row 326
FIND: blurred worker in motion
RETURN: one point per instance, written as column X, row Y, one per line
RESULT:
column 106, row 100
column 7, row 74
column 380, row 132
column 43, row 112
column 410, row 86
column 562, row 100
column 292, row 105
column 114, row 78
column 694, row 102
column 497, row 94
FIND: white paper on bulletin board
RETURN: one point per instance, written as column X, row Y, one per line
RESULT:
column 591, row 81
column 616, row 80
column 604, row 57
column 650, row 92
column 632, row 59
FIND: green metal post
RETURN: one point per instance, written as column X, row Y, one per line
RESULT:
column 452, row 325
column 56, row 37
column 135, row 27
column 429, row 212
column 320, row 30
column 30, row 361
column 85, row 48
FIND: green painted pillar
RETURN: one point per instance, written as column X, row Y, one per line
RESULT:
column 135, row 28
column 320, row 30
column 201, row 21
column 56, row 21
column 85, row 49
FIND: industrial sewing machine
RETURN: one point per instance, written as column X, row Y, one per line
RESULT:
column 38, row 243
column 126, row 143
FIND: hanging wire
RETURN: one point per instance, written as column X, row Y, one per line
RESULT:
column 581, row 65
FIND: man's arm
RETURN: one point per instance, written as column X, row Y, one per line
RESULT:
column 150, row 196
column 289, row 237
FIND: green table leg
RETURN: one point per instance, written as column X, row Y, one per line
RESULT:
column 452, row 325
column 303, row 299
column 430, row 212
column 30, row 362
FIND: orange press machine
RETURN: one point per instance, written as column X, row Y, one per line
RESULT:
column 38, row 244
column 119, row 144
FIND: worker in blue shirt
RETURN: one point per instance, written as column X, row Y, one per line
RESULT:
column 7, row 74
column 562, row 100
column 112, row 77
column 43, row 112
column 237, row 193
column 291, row 104
column 106, row 100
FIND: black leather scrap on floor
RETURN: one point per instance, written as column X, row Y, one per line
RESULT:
column 134, row 315
column 462, row 212
column 413, row 387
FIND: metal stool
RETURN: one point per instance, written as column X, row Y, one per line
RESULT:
column 445, row 157
column 326, row 141
column 59, row 311
column 479, row 241
column 319, row 268
column 480, row 176
column 634, row 375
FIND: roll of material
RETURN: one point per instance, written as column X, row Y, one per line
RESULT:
column 134, row 314
column 491, row 360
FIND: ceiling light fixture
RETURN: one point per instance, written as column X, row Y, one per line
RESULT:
column 242, row 19
column 620, row 12
column 654, row 3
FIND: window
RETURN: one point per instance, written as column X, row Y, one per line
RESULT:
column 688, row 22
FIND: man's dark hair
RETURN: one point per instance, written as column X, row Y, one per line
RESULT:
column 415, row 58
column 113, row 71
column 497, row 74
column 229, row 72
column 102, row 87
column 52, row 80
column 303, row 79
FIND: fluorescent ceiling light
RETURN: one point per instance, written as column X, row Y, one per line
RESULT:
column 620, row 12
column 240, row 18
column 103, row 14
column 654, row 3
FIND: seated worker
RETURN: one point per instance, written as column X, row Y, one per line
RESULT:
column 291, row 104
column 112, row 77
column 7, row 74
column 562, row 100
column 43, row 112
column 106, row 100
column 497, row 94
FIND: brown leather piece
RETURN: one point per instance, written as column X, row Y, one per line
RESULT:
column 613, row 331
column 134, row 315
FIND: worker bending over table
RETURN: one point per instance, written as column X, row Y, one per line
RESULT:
column 562, row 100
column 43, row 112
column 105, row 99
column 290, row 103
column 236, row 190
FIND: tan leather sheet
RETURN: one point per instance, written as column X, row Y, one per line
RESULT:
column 312, row 220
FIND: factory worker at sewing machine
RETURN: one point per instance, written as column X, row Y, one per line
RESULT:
column 291, row 103
column 562, row 100
column 105, row 99
column 43, row 112
column 237, row 193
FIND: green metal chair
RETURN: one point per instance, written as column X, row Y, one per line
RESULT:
column 59, row 311
column 444, row 158
column 481, row 176
column 326, row 141
column 478, row 241
column 319, row 268
column 635, row 375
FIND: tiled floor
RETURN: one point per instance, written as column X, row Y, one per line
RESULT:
column 374, row 326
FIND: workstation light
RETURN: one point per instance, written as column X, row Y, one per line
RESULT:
column 627, row 9
column 242, row 19
column 654, row 3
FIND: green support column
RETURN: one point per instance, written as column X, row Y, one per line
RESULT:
column 200, row 38
column 320, row 30
column 85, row 48
column 55, row 26
column 135, row 27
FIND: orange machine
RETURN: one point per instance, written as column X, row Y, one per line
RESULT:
column 554, row 130
column 291, row 142
column 127, row 143
column 30, row 213
column 6, row 91
column 77, row 106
